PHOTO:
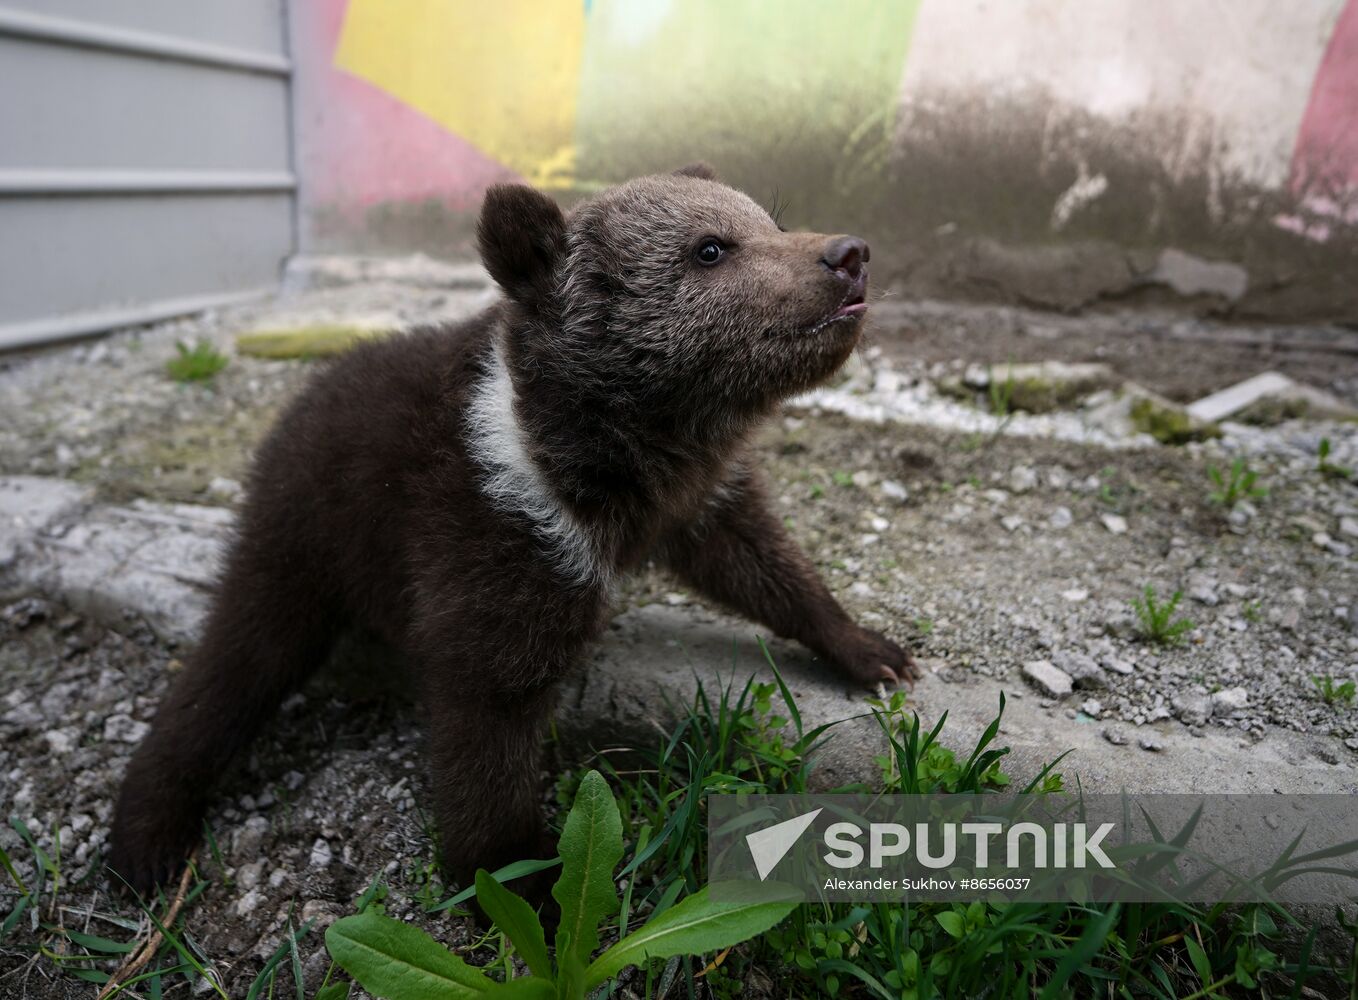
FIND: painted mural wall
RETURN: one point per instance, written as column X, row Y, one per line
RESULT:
column 1048, row 151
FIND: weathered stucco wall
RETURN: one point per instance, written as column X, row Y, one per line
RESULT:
column 1049, row 151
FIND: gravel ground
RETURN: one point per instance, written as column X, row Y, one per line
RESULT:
column 986, row 551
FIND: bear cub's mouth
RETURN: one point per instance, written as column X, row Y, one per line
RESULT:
column 855, row 299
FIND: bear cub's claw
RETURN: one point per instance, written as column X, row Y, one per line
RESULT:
column 870, row 659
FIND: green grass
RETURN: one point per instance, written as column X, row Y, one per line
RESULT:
column 753, row 738
column 1156, row 619
column 1327, row 468
column 1334, row 691
column 1240, row 482
column 198, row 363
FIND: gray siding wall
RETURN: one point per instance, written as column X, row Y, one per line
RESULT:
column 145, row 163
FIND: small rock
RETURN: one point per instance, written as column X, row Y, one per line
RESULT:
column 893, row 490
column 248, row 840
column 1022, row 478
column 227, row 489
column 321, row 855
column 62, row 741
column 248, row 876
column 1092, row 707
column 1192, row 709
column 1115, row 523
column 1075, row 595
column 1230, row 700
column 1115, row 736
column 1349, row 526
column 1117, row 665
column 1011, row 522
column 1204, row 594
column 1048, row 678
column 1061, row 518
column 1083, row 671
column 124, row 729
column 248, row 903
column 1151, row 742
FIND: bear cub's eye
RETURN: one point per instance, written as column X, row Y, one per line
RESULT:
column 710, row 251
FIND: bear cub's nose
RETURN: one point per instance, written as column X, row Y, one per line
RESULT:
column 847, row 254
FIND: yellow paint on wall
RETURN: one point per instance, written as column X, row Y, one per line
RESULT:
column 503, row 76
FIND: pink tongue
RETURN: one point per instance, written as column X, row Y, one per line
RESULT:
column 853, row 310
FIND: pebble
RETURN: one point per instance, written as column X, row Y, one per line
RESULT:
column 62, row 741
column 1151, row 742
column 1048, row 678
column 1229, row 700
column 1011, row 522
column 1349, row 526
column 1061, row 518
column 1083, row 671
column 1117, row 665
column 1115, row 523
column 1092, row 707
column 248, row 903
column 1022, row 478
column 321, row 854
column 1115, row 736
column 248, row 840
column 893, row 490
column 124, row 729
column 1192, row 709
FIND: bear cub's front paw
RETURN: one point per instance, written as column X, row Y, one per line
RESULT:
column 870, row 658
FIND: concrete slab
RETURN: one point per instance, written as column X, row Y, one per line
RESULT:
column 655, row 657
column 159, row 560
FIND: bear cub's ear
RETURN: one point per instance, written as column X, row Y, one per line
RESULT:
column 521, row 236
column 703, row 171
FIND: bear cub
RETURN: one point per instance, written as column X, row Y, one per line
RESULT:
column 471, row 493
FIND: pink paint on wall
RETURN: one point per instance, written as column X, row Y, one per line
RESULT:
column 1325, row 158
column 360, row 147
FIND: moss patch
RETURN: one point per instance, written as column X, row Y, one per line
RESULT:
column 1169, row 424
column 321, row 340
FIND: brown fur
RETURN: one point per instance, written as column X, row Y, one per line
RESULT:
column 638, row 373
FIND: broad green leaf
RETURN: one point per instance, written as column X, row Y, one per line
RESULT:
column 590, row 848
column 691, row 927
column 1199, row 959
column 399, row 962
column 570, row 979
column 516, row 918
column 952, row 922
column 523, row 988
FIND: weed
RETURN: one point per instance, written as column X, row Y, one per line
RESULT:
column 1252, row 612
column 841, row 479
column 198, row 363
column 1001, row 394
column 1327, row 468
column 1334, row 691
column 391, row 959
column 1157, row 620
column 1233, row 486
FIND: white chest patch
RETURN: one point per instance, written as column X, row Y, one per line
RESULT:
column 513, row 482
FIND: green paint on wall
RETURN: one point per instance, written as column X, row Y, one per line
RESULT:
column 742, row 83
